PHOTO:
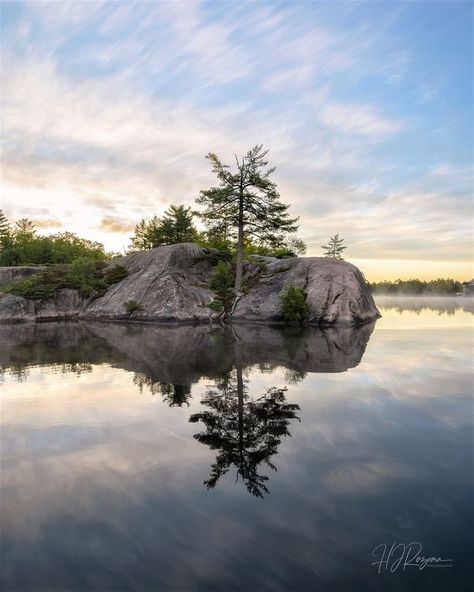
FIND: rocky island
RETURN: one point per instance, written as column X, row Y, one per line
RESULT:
column 172, row 284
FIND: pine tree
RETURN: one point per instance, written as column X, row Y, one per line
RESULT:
column 144, row 234
column 4, row 225
column 176, row 226
column 25, row 228
column 247, row 202
column 334, row 247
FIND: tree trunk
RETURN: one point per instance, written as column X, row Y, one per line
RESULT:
column 240, row 249
column 240, row 394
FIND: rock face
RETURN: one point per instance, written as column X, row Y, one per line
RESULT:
column 336, row 292
column 171, row 284
column 65, row 305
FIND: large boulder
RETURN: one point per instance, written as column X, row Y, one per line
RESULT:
column 171, row 284
column 336, row 292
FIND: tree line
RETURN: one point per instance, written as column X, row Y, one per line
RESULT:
column 21, row 244
column 415, row 287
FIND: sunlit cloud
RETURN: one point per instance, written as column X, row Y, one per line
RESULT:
column 113, row 224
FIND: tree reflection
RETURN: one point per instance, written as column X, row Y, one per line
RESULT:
column 246, row 432
column 175, row 395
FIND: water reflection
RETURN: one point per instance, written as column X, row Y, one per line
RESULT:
column 166, row 361
column 180, row 356
column 174, row 395
column 441, row 305
column 245, row 431
column 102, row 489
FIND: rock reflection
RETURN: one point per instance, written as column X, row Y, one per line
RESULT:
column 245, row 431
column 180, row 355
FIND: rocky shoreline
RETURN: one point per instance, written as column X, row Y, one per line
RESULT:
column 170, row 284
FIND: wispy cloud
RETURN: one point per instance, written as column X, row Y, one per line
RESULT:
column 359, row 119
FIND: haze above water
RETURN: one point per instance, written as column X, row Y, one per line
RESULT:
column 178, row 458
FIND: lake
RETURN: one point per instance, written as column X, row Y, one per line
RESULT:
column 151, row 458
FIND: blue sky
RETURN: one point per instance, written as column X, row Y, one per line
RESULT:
column 366, row 107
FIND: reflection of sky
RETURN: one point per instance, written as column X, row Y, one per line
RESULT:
column 102, row 485
column 423, row 312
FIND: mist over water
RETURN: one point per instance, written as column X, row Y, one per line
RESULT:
column 442, row 304
column 246, row 458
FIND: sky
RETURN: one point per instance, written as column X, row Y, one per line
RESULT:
column 109, row 109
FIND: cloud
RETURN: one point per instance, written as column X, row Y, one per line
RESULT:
column 47, row 223
column 359, row 119
column 119, row 225
column 410, row 225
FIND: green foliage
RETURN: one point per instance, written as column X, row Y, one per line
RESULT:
column 115, row 274
column 294, row 305
column 222, row 283
column 216, row 238
column 217, row 305
column 131, row 306
column 86, row 275
column 334, row 247
column 21, row 245
column 415, row 287
column 292, row 247
column 145, row 234
column 248, row 191
column 176, row 226
column 213, row 256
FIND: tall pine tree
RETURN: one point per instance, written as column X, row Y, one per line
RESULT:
column 246, row 200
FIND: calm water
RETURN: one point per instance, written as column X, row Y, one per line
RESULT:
column 178, row 459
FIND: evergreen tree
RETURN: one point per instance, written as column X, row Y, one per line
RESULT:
column 176, row 226
column 146, row 234
column 247, row 203
column 334, row 247
column 25, row 228
column 4, row 225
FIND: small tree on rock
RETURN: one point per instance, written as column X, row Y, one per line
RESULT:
column 5, row 228
column 334, row 247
